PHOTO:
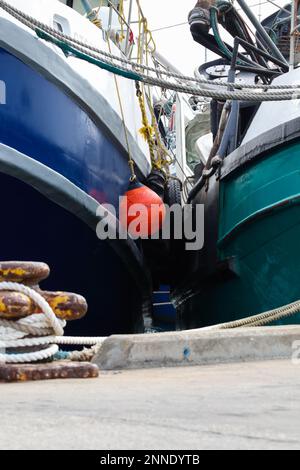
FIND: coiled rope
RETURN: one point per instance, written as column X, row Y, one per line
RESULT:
column 107, row 61
column 41, row 332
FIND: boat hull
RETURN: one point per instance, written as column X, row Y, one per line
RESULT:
column 251, row 264
column 58, row 162
column 40, row 120
column 35, row 228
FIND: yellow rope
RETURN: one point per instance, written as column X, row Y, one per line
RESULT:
column 160, row 158
column 147, row 31
column 164, row 159
column 131, row 162
column 148, row 131
column 96, row 21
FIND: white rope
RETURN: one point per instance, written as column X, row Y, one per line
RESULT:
column 32, row 23
column 79, row 340
column 42, row 332
column 29, row 357
column 286, row 92
column 33, row 331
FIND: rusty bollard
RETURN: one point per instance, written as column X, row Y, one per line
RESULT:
column 16, row 305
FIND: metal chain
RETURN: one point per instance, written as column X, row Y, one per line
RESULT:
column 146, row 131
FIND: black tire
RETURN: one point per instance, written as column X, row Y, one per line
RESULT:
column 173, row 195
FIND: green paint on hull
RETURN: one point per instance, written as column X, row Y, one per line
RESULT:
column 259, row 226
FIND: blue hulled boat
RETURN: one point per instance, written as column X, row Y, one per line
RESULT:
column 63, row 151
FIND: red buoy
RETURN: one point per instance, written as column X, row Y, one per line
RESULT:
column 142, row 211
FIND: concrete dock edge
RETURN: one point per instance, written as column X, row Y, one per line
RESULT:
column 197, row 347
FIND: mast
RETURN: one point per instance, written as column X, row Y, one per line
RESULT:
column 129, row 24
column 294, row 31
column 259, row 11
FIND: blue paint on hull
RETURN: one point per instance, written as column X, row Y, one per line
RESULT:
column 164, row 313
column 42, row 122
column 34, row 228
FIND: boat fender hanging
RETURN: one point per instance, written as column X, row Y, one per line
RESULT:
column 142, row 211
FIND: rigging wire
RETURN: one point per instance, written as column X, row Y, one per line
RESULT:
column 82, row 50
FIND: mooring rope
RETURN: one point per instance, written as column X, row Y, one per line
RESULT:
column 262, row 319
column 89, row 53
column 36, row 337
column 42, row 332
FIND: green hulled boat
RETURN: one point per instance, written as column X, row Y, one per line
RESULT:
column 250, row 262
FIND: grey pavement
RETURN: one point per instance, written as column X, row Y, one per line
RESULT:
column 252, row 405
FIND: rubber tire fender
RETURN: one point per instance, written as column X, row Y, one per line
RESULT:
column 174, row 189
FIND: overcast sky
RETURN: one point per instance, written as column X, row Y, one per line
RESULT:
column 177, row 43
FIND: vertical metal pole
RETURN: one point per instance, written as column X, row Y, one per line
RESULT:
column 87, row 6
column 110, row 17
column 143, row 48
column 294, row 24
column 128, row 27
